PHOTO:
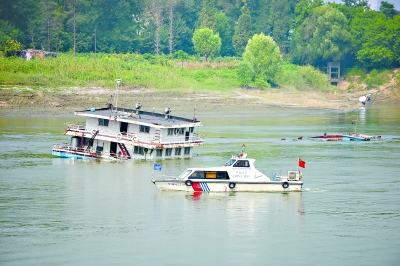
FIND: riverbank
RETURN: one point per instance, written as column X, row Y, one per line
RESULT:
column 26, row 101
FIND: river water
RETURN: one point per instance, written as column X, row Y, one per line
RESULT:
column 56, row 211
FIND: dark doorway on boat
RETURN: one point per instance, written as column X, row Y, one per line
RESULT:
column 187, row 136
column 113, row 147
column 123, row 127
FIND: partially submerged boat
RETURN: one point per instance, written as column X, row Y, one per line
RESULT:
column 357, row 137
column 119, row 133
column 115, row 133
column 354, row 136
column 237, row 174
column 329, row 137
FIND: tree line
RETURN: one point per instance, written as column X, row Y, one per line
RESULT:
column 306, row 32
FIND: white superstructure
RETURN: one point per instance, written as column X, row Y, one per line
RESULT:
column 119, row 133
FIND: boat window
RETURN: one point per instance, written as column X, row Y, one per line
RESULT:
column 230, row 162
column 242, row 163
column 197, row 175
column 168, row 152
column 184, row 174
column 211, row 174
column 216, row 175
column 177, row 151
column 159, row 152
column 145, row 129
column 170, row 131
column 191, row 129
column 187, row 151
column 138, row 150
column 103, row 122
column 222, row 175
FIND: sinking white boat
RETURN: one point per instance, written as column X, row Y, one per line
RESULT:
column 237, row 174
column 116, row 133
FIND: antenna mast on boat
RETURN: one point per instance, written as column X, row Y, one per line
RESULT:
column 116, row 94
column 355, row 121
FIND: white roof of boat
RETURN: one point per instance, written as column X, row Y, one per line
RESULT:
column 144, row 117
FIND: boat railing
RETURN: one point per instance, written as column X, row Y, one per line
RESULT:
column 85, row 149
column 76, row 125
column 81, row 127
column 183, row 139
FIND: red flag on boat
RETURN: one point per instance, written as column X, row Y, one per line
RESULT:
column 302, row 163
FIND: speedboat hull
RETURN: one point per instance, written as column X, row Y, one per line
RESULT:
column 224, row 186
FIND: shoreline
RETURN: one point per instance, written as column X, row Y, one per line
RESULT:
column 184, row 103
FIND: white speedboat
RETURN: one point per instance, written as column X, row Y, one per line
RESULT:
column 237, row 174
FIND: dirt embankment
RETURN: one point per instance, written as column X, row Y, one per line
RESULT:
column 26, row 101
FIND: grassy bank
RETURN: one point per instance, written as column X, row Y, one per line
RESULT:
column 144, row 71
column 64, row 83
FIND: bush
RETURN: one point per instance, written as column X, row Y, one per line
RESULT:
column 355, row 72
column 377, row 79
column 245, row 73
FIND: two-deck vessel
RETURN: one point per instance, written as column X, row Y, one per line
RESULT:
column 121, row 133
column 237, row 174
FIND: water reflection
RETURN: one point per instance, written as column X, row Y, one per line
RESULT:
column 362, row 115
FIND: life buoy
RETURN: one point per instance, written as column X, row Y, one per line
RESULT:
column 134, row 139
column 94, row 131
column 119, row 136
column 285, row 184
column 232, row 185
column 188, row 183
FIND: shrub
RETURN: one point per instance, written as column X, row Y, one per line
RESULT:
column 245, row 73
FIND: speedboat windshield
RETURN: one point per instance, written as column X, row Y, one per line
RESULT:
column 230, row 162
column 184, row 174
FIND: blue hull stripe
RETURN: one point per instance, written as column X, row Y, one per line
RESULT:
column 204, row 187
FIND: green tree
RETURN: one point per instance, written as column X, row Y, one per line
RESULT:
column 22, row 15
column 263, row 55
column 206, row 42
column 225, row 33
column 245, row 73
column 360, row 25
column 304, row 9
column 282, row 15
column 8, row 39
column 243, row 31
column 379, row 43
column 261, row 16
column 387, row 9
column 51, row 23
column 322, row 37
column 357, row 3
column 207, row 15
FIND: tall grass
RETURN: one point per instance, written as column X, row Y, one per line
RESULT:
column 144, row 71
column 305, row 78
column 92, row 70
